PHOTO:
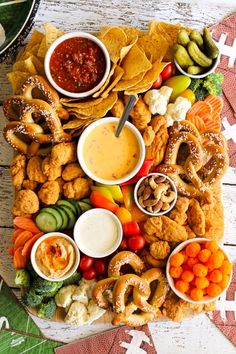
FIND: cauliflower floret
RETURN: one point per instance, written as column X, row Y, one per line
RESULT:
column 95, row 312
column 157, row 100
column 177, row 111
column 83, row 291
column 64, row 296
column 77, row 314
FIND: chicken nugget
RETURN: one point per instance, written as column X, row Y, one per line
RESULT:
column 34, row 170
column 26, row 203
column 49, row 170
column 17, row 170
column 72, row 171
column 63, row 153
column 49, row 192
column 77, row 189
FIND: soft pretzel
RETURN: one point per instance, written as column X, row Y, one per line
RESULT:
column 132, row 319
column 122, row 258
column 47, row 91
column 121, row 286
column 159, row 294
column 205, row 164
column 98, row 291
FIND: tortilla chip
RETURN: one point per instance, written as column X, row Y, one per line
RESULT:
column 151, row 75
column 125, row 84
column 134, row 63
column 119, row 72
column 114, row 39
column 25, row 66
column 51, row 34
column 73, row 102
column 17, row 78
column 154, row 46
column 138, row 90
column 132, row 33
column 75, row 124
column 35, row 39
column 106, row 83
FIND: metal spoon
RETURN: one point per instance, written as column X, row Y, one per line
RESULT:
column 129, row 105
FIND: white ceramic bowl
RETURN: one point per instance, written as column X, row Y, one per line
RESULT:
column 94, row 225
column 62, row 39
column 180, row 247
column 85, row 134
column 199, row 76
column 160, row 212
column 34, row 249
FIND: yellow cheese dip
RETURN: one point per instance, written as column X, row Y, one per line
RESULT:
column 109, row 157
column 55, row 256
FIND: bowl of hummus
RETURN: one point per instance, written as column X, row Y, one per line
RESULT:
column 55, row 256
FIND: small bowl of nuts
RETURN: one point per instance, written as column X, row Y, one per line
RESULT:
column 155, row 194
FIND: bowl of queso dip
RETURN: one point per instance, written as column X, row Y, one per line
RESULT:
column 108, row 159
column 77, row 64
column 98, row 233
column 55, row 256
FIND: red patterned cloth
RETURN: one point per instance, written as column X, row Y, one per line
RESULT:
column 225, row 34
column 121, row 340
column 225, row 315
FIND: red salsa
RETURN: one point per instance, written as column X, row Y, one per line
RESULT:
column 77, row 64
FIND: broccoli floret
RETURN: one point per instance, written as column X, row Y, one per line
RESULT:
column 47, row 309
column 32, row 299
column 73, row 279
column 195, row 84
column 213, row 83
column 22, row 278
column 44, row 287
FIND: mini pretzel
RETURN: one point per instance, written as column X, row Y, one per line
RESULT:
column 98, row 291
column 125, row 257
column 51, row 96
column 159, row 295
column 122, row 286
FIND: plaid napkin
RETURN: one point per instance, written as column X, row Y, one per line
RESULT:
column 225, row 315
column 116, row 341
column 224, row 33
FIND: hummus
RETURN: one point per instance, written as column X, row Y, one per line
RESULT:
column 55, row 256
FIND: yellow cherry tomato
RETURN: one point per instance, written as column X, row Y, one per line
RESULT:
column 123, row 215
column 189, row 94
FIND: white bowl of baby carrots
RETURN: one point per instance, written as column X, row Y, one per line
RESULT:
column 199, row 270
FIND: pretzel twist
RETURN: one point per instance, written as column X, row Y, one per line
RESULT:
column 205, row 164
column 122, row 258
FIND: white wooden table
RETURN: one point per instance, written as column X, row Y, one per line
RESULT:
column 196, row 335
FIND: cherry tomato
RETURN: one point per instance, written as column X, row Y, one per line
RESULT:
column 100, row 266
column 123, row 245
column 90, row 274
column 136, row 242
column 167, row 72
column 131, row 228
column 86, row 262
column 156, row 84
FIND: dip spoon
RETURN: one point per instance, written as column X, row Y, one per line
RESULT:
column 129, row 105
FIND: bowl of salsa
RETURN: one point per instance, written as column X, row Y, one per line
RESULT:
column 108, row 159
column 77, row 64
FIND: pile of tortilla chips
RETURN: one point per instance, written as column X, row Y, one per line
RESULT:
column 137, row 57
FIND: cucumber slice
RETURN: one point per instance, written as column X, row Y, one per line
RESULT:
column 86, row 200
column 74, row 202
column 70, row 214
column 64, row 216
column 68, row 204
column 84, row 206
column 56, row 214
column 46, row 222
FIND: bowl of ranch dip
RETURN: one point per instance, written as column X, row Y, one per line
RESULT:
column 98, row 233
column 109, row 159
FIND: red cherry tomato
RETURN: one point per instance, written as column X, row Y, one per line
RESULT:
column 86, row 262
column 123, row 245
column 90, row 274
column 167, row 72
column 136, row 242
column 156, row 84
column 100, row 266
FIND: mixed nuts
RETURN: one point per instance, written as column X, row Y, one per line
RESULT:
column 155, row 194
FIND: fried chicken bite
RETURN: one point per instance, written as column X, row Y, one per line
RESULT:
column 77, row 189
column 118, row 108
column 165, row 229
column 63, row 153
column 72, row 171
column 26, row 203
column 17, row 170
column 160, row 249
column 61, row 183
column 140, row 114
column 49, row 192
column 49, row 170
column 179, row 212
column 34, row 170
column 196, row 218
column 28, row 184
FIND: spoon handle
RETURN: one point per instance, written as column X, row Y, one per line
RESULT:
column 128, row 107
